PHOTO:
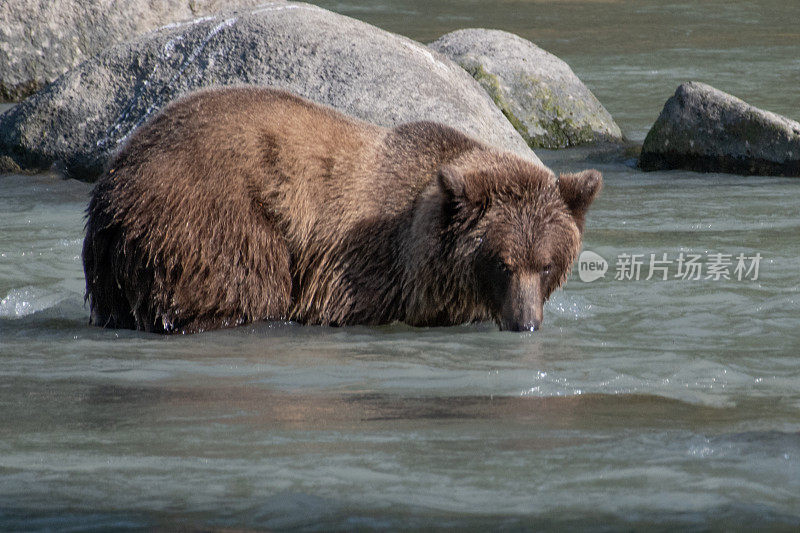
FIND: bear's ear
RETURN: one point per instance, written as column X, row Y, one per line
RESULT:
column 451, row 183
column 460, row 196
column 578, row 191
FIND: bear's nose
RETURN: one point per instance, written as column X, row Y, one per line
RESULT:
column 528, row 325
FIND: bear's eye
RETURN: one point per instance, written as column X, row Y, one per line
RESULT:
column 548, row 268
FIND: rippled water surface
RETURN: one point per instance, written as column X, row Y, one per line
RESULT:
column 641, row 404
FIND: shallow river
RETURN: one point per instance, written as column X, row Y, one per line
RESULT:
column 641, row 403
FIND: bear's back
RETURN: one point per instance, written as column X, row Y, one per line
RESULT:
column 304, row 163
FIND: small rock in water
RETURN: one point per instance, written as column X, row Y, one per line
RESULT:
column 704, row 129
column 537, row 91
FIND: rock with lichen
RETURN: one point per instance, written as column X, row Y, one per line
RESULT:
column 79, row 121
column 538, row 92
column 704, row 129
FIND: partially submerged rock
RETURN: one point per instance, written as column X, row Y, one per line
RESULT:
column 538, row 92
column 82, row 118
column 704, row 129
column 39, row 41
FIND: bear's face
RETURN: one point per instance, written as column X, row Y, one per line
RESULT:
column 522, row 229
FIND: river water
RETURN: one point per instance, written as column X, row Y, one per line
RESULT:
column 641, row 404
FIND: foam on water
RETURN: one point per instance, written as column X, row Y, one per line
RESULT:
column 28, row 300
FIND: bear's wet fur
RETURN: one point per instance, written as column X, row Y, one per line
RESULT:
column 241, row 204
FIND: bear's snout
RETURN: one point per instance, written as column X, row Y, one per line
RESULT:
column 523, row 306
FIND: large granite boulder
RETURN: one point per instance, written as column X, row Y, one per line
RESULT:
column 81, row 119
column 42, row 39
column 538, row 92
column 704, row 129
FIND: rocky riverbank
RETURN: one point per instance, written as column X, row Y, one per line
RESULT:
column 78, row 121
column 490, row 84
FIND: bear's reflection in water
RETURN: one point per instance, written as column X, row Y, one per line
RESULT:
column 260, row 408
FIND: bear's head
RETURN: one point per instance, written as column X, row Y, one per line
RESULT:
column 517, row 230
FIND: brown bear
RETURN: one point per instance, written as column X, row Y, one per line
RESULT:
column 241, row 204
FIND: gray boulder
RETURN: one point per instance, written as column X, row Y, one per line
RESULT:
column 538, row 92
column 42, row 39
column 704, row 129
column 81, row 119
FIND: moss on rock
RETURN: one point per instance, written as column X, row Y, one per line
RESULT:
column 537, row 92
column 491, row 84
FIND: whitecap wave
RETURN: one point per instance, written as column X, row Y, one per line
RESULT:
column 25, row 301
